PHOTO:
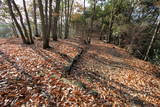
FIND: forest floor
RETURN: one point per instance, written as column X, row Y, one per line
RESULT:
column 104, row 75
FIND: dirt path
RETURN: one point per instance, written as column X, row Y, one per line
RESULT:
column 115, row 77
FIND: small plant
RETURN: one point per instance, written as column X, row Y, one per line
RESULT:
column 90, row 79
column 80, row 84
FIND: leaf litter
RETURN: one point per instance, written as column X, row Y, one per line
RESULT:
column 105, row 75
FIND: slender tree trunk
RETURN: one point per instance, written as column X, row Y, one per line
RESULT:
column 92, row 22
column 102, row 25
column 152, row 40
column 35, row 18
column 46, row 13
column 102, row 30
column 68, row 11
column 50, row 19
column 93, row 16
column 61, row 30
column 110, row 28
column 43, row 25
column 66, row 19
column 28, row 22
column 56, row 17
column 84, row 22
column 70, row 14
column 21, row 20
column 65, row 29
column 16, row 22
column 71, row 9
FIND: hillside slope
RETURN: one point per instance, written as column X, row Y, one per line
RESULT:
column 118, row 76
column 104, row 75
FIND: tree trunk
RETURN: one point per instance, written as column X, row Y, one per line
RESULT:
column 102, row 30
column 61, row 30
column 43, row 26
column 66, row 19
column 28, row 22
column 84, row 22
column 102, row 25
column 21, row 20
column 109, row 36
column 152, row 40
column 56, row 17
column 69, row 16
column 46, row 13
column 16, row 22
column 92, row 22
column 50, row 19
column 35, row 18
